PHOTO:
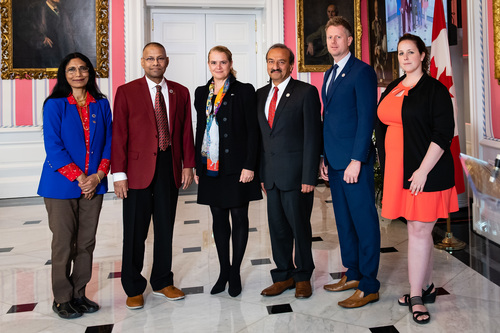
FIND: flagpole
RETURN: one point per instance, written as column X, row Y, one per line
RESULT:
column 450, row 243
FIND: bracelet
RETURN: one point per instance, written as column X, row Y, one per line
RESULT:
column 98, row 177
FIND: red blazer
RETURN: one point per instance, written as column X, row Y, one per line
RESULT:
column 135, row 137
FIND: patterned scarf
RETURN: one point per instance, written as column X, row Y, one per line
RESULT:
column 210, row 146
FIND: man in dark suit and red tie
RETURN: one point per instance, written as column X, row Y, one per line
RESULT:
column 152, row 156
column 289, row 115
column 350, row 101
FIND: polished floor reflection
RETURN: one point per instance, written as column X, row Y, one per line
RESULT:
column 467, row 301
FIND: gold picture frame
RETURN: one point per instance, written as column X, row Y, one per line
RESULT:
column 496, row 37
column 30, row 62
column 311, row 16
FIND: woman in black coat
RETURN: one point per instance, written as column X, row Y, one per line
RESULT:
column 227, row 141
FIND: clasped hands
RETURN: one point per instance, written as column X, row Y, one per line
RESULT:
column 88, row 184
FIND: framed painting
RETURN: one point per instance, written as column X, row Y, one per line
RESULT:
column 38, row 34
column 385, row 63
column 313, row 54
column 496, row 37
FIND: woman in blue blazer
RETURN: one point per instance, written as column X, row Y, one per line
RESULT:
column 77, row 139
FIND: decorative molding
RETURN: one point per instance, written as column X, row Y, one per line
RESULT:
column 496, row 37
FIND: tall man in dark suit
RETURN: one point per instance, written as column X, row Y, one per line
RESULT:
column 350, row 101
column 290, row 124
column 152, row 155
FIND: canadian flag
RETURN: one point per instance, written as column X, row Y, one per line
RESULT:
column 441, row 70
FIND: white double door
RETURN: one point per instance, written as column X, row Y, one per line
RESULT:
column 188, row 37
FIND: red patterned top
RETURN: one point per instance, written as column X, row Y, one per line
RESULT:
column 72, row 171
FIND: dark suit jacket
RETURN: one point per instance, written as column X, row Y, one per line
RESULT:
column 135, row 136
column 349, row 114
column 291, row 149
column 238, row 128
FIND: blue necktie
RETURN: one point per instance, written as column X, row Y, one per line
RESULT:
column 334, row 73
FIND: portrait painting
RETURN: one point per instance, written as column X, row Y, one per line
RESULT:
column 384, row 62
column 38, row 34
column 313, row 55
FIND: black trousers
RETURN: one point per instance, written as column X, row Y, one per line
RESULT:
column 159, row 200
column 289, row 217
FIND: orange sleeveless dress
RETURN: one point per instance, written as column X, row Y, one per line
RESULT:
column 397, row 201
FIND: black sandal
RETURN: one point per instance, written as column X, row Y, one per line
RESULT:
column 427, row 296
column 417, row 300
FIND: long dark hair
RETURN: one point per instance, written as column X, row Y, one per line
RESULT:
column 62, row 87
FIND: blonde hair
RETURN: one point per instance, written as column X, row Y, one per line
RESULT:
column 225, row 50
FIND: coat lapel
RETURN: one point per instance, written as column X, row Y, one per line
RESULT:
column 283, row 101
column 341, row 77
column 172, row 105
column 146, row 99
column 261, row 109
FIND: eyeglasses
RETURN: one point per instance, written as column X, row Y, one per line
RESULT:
column 151, row 60
column 81, row 69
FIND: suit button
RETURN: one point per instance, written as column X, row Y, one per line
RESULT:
column 226, row 151
column 154, row 154
column 225, row 103
column 225, row 135
column 224, row 119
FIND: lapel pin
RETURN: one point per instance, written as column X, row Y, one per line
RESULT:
column 93, row 116
column 93, row 121
column 343, row 74
column 171, row 91
column 232, row 94
column 287, row 94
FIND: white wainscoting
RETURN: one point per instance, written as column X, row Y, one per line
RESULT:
column 21, row 158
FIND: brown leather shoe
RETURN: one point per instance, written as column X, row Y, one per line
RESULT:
column 303, row 289
column 135, row 302
column 171, row 293
column 278, row 287
column 359, row 299
column 342, row 285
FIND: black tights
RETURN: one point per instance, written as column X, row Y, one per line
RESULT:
column 222, row 234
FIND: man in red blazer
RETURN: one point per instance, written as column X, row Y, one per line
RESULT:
column 150, row 161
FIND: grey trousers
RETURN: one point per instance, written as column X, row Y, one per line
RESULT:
column 73, row 223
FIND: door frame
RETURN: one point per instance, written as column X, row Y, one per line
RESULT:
column 270, row 29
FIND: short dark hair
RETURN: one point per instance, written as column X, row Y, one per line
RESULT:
column 283, row 46
column 421, row 49
column 337, row 21
column 154, row 44
column 62, row 87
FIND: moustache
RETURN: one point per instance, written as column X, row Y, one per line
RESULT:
column 275, row 70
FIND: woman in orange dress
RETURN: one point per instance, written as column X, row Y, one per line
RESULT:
column 414, row 132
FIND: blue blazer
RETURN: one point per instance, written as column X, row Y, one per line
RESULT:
column 349, row 114
column 64, row 142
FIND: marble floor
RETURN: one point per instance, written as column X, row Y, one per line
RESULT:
column 467, row 301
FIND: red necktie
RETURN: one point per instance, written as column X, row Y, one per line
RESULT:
column 161, row 120
column 272, row 107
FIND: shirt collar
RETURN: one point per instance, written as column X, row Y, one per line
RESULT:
column 152, row 85
column 343, row 62
column 282, row 85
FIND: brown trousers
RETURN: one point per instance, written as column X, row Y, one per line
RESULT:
column 73, row 223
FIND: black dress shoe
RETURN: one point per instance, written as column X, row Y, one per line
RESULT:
column 84, row 305
column 65, row 310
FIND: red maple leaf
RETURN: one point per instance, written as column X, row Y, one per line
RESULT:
column 447, row 80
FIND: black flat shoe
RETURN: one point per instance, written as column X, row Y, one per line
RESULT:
column 427, row 296
column 65, row 310
column 84, row 305
column 417, row 300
